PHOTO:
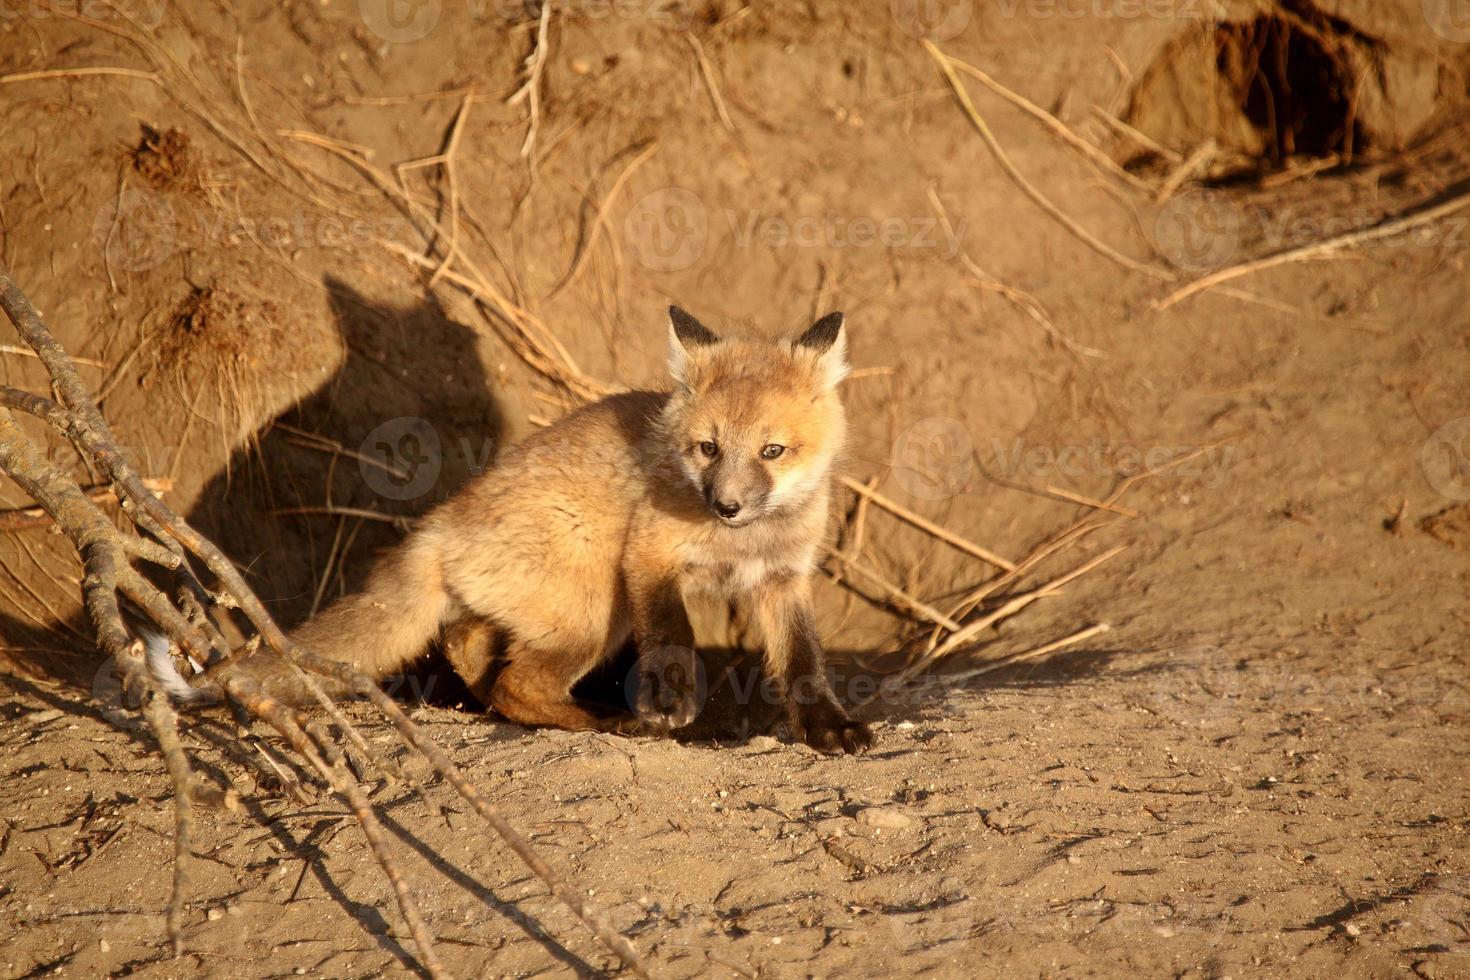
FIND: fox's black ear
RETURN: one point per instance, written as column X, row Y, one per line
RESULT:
column 826, row 341
column 686, row 335
column 820, row 336
column 690, row 331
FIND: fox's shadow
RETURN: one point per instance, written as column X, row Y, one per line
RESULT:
column 406, row 419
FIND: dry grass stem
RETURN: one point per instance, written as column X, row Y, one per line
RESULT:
column 1039, row 199
column 1093, row 153
column 1186, row 171
column 1085, row 501
column 924, row 524
column 1001, row 663
column 1327, row 248
column 894, row 593
column 1010, row 607
column 707, row 71
column 584, row 249
column 1142, row 139
column 33, row 76
column 1019, row 298
column 530, row 90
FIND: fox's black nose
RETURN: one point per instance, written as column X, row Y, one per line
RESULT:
column 727, row 508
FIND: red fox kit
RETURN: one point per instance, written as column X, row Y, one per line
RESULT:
column 597, row 527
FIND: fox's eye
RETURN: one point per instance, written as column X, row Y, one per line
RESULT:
column 709, row 449
column 772, row 451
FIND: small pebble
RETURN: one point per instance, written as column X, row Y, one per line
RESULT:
column 888, row 817
column 214, row 915
column 104, row 945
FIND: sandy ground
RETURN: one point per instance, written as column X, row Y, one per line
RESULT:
column 1258, row 771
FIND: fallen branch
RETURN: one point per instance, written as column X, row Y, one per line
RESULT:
column 108, row 555
column 23, row 518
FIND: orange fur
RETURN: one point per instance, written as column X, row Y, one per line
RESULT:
column 596, row 528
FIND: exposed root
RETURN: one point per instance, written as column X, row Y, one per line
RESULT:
column 162, row 537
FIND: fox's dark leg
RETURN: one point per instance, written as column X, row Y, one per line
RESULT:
column 469, row 646
column 535, row 687
column 794, row 657
column 667, row 688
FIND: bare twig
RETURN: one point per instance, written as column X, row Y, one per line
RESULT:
column 1186, row 171
column 893, row 592
column 708, row 72
column 530, row 90
column 1039, row 199
column 1009, row 608
column 1022, row 300
column 1085, row 501
column 924, row 524
column 21, row 518
column 585, row 246
column 258, row 703
column 1070, row 639
column 32, row 76
column 1093, row 153
column 1142, row 139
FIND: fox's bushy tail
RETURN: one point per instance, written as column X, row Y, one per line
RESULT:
column 377, row 630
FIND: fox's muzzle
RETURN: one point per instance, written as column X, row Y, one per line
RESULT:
column 731, row 489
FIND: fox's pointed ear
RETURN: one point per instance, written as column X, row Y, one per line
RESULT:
column 828, row 342
column 686, row 335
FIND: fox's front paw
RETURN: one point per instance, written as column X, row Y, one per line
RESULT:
column 827, row 728
column 668, row 688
